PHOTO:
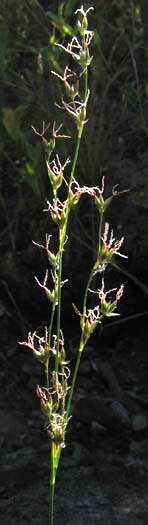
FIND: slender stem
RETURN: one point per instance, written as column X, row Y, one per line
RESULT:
column 49, row 344
column 47, row 374
column 58, row 309
column 52, row 487
column 81, row 348
column 85, row 296
column 100, row 232
column 85, row 73
column 62, row 240
column 73, row 383
column 50, row 326
column 55, row 456
column 75, row 159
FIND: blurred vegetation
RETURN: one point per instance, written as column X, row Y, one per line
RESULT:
column 117, row 106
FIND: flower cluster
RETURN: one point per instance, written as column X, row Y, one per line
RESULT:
column 77, row 110
column 72, row 89
column 79, row 50
column 39, row 346
column 88, row 322
column 52, row 258
column 57, row 211
column 52, row 401
column 50, row 145
column 108, row 248
column 107, row 307
column 93, row 316
column 52, row 295
column 55, row 172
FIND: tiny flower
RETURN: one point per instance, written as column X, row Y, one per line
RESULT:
column 55, row 131
column 56, row 429
column 83, row 12
column 108, row 248
column 52, row 258
column 82, row 26
column 39, row 346
column 52, row 296
column 59, row 384
column 97, row 194
column 77, row 110
column 49, row 146
column 101, row 203
column 79, row 52
column 62, row 353
column 111, row 246
column 46, row 401
column 57, row 211
column 107, row 307
column 88, row 322
column 53, row 405
column 73, row 89
column 55, row 172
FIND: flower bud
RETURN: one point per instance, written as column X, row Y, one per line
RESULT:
column 49, row 146
column 46, row 407
column 52, row 258
column 74, row 199
column 56, row 180
column 52, row 296
column 86, row 332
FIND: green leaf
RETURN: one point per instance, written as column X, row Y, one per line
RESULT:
column 3, row 44
column 69, row 8
column 53, row 60
column 59, row 23
column 12, row 120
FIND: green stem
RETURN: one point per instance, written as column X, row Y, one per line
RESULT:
column 49, row 344
column 75, row 159
column 62, row 241
column 52, row 488
column 55, row 456
column 73, row 383
column 86, row 73
column 58, row 309
column 81, row 348
column 50, row 326
column 47, row 374
column 85, row 297
column 100, row 232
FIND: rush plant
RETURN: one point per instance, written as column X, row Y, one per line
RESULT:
column 56, row 396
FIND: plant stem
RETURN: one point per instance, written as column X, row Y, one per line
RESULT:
column 55, row 456
column 100, row 232
column 49, row 344
column 85, row 74
column 52, row 488
column 81, row 348
column 75, row 159
column 73, row 383
column 58, row 309
column 62, row 240
column 85, row 296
